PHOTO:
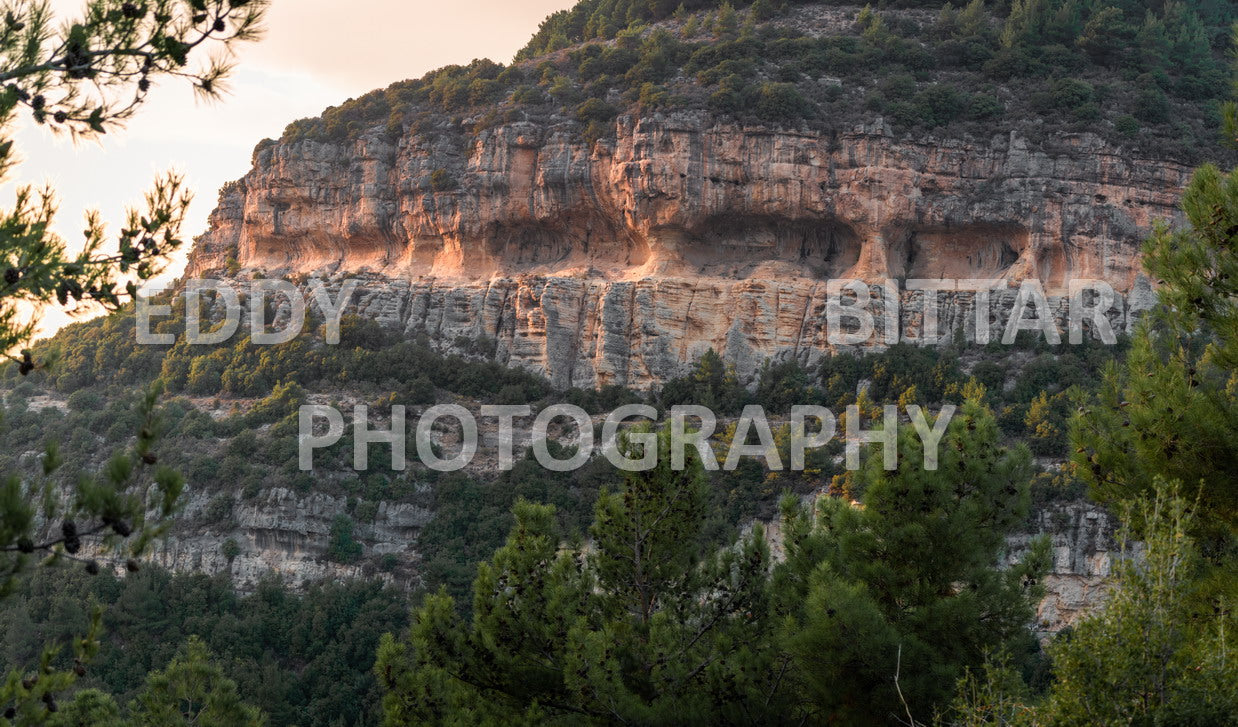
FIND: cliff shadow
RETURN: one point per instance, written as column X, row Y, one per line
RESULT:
column 739, row 246
column 562, row 243
column 982, row 250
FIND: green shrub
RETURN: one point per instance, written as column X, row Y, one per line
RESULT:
column 992, row 376
column 1127, row 125
column 219, row 511
column 366, row 511
column 528, row 95
column 85, row 400
column 563, row 90
column 782, row 102
column 1087, row 112
column 1009, row 63
column 441, row 180
column 343, row 547
column 939, row 104
column 874, row 101
column 897, row 86
column 730, row 67
column 653, row 96
column 1062, row 94
column 1062, row 59
column 731, row 96
column 1152, row 106
column 1070, row 92
column 595, row 109
column 984, row 106
column 966, row 53
column 910, row 54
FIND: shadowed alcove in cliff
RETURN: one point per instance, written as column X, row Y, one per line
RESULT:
column 361, row 249
column 737, row 244
column 563, row 242
column 981, row 250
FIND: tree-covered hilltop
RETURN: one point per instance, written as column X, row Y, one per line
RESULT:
column 305, row 658
column 1140, row 72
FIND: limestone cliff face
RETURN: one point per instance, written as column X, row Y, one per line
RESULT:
column 618, row 261
column 287, row 534
column 1084, row 548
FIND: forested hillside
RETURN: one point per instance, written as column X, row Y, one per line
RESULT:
column 232, row 459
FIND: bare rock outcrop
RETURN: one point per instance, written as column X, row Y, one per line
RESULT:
column 621, row 260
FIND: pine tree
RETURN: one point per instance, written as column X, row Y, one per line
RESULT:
column 1171, row 410
column 1144, row 657
column 638, row 628
column 1159, row 441
column 973, row 21
column 725, row 21
column 691, row 27
column 82, row 76
column 89, row 708
column 908, row 584
column 762, row 10
column 192, row 691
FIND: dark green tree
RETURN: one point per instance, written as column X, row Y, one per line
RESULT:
column 640, row 627
column 343, row 546
column 885, row 604
column 88, row 708
column 1160, row 442
column 83, row 77
column 1171, row 410
column 192, row 691
column 711, row 383
column 1145, row 657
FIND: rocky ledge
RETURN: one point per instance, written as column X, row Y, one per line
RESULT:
column 620, row 260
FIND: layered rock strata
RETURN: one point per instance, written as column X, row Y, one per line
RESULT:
column 622, row 260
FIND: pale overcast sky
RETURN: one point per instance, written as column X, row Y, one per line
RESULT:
column 316, row 53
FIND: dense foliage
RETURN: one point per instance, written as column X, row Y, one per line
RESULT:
column 83, row 75
column 1028, row 385
column 302, row 658
column 1172, row 411
column 648, row 626
column 888, row 603
column 1147, row 657
column 251, row 448
column 637, row 628
column 1133, row 70
column 233, row 419
column 1170, row 664
column 1157, row 441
